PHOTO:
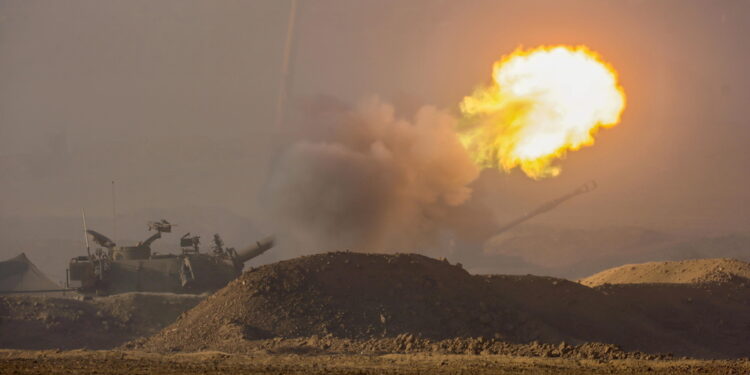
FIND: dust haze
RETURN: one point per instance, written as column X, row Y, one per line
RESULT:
column 372, row 181
column 175, row 102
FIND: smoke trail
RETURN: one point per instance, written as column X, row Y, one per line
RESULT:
column 367, row 180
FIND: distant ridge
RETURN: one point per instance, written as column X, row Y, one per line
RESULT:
column 675, row 272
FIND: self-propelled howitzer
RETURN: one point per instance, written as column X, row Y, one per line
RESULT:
column 112, row 269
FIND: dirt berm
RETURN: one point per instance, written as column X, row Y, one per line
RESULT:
column 358, row 298
column 32, row 322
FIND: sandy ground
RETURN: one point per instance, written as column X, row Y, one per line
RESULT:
column 681, row 272
column 130, row 362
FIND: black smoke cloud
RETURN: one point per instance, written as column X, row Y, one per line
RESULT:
column 362, row 179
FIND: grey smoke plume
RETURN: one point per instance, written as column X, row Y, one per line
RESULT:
column 366, row 180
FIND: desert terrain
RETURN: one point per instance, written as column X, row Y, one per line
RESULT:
column 118, row 362
column 347, row 312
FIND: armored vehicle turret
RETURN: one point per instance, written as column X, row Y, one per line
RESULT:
column 112, row 269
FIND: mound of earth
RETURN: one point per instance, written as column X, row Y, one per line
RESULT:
column 713, row 316
column 577, row 314
column 679, row 272
column 370, row 299
column 348, row 295
column 33, row 322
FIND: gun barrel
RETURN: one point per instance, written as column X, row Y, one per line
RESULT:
column 549, row 206
column 255, row 250
column 151, row 239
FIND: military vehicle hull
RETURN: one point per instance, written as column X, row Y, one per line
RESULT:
column 136, row 269
column 168, row 274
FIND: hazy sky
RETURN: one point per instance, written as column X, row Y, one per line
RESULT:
column 175, row 99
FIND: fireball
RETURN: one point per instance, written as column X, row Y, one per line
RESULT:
column 543, row 102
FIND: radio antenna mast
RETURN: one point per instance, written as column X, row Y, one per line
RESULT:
column 285, row 66
column 85, row 234
column 114, row 214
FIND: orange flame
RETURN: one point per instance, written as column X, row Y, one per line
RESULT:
column 542, row 103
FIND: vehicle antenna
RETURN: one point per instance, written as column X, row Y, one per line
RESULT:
column 85, row 234
column 114, row 214
column 285, row 76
